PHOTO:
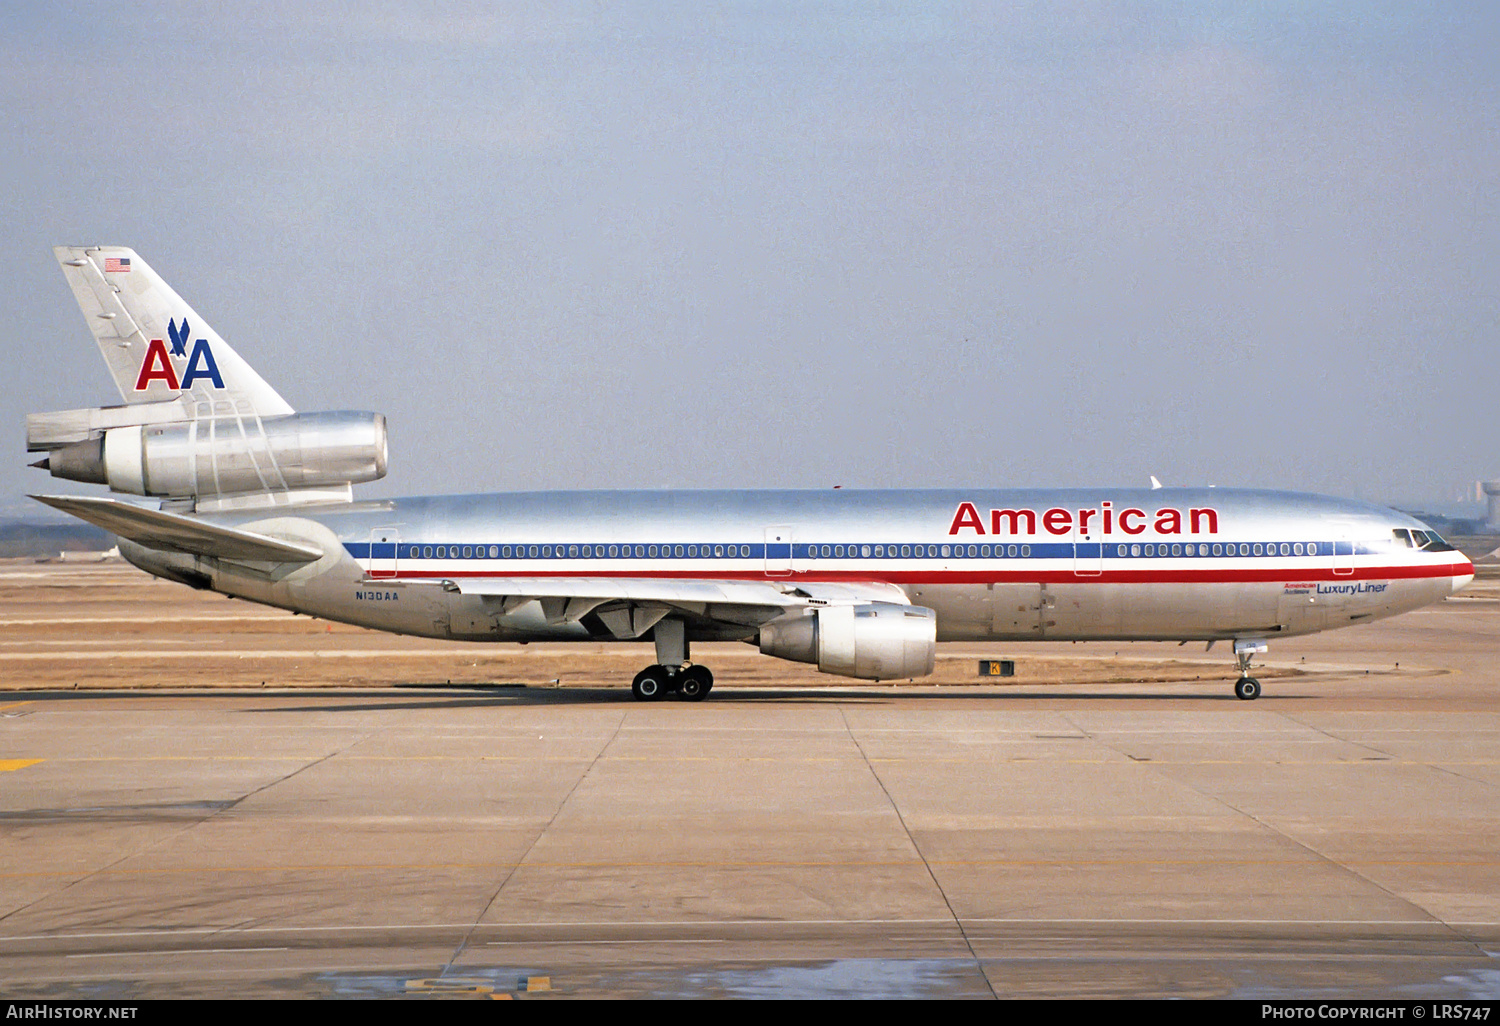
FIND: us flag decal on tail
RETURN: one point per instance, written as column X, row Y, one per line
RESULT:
column 117, row 263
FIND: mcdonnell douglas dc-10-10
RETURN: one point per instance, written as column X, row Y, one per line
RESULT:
column 255, row 500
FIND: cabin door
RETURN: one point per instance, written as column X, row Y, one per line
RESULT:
column 778, row 551
column 385, row 543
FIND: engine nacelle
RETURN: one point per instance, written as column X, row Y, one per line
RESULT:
column 878, row 641
column 228, row 455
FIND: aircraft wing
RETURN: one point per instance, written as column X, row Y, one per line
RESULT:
column 176, row 533
column 629, row 606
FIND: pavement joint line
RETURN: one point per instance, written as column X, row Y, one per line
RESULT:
column 852, row 864
column 478, row 920
column 1428, row 925
column 1328, row 733
column 170, row 951
column 912, row 840
column 1123, row 760
column 1346, row 867
column 158, row 842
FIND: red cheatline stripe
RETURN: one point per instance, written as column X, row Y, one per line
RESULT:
column 1290, row 575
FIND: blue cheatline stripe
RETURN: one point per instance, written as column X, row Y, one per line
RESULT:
column 861, row 551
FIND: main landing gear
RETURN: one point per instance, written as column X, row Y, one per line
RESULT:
column 690, row 683
column 672, row 674
column 1247, row 688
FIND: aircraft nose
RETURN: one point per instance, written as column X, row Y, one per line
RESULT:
column 1464, row 575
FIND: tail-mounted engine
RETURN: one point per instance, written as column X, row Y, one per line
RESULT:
column 220, row 459
column 878, row 641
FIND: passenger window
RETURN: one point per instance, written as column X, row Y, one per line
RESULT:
column 1025, row 550
column 427, row 552
column 1010, row 550
column 946, row 551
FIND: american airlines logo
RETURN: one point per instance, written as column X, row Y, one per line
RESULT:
column 1102, row 519
column 158, row 364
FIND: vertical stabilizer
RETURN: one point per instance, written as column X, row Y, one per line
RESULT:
column 157, row 347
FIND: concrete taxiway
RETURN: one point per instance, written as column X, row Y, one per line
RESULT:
column 1108, row 826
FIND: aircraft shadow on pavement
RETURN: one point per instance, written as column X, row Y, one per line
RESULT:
column 510, row 696
column 497, row 696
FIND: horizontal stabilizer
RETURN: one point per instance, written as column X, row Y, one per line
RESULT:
column 176, row 533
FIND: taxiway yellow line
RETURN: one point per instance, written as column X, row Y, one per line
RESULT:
column 6, row 765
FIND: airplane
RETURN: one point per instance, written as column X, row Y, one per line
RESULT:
column 239, row 493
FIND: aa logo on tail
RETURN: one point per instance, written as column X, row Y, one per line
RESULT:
column 158, row 366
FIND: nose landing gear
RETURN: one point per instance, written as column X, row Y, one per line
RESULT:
column 1247, row 688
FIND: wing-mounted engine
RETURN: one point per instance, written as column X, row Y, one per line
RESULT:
column 875, row 641
column 214, row 462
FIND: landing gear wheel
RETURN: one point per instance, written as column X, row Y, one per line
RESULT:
column 1247, row 689
column 650, row 684
column 696, row 683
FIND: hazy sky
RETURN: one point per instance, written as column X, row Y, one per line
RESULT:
column 800, row 244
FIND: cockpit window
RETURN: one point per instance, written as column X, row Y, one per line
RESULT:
column 1434, row 543
column 1427, row 541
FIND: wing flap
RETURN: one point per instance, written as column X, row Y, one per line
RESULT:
column 176, row 533
column 671, row 591
column 561, row 596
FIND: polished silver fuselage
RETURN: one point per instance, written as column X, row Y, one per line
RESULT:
column 1085, row 564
